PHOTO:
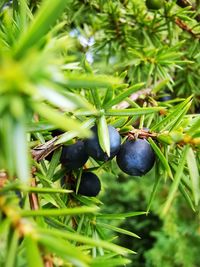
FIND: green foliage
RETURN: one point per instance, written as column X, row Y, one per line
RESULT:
column 69, row 65
column 179, row 232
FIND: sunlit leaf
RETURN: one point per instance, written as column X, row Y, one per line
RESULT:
column 73, row 133
column 90, row 81
column 32, row 252
column 21, row 152
column 65, row 100
column 194, row 174
column 60, row 120
column 103, row 135
column 132, row 111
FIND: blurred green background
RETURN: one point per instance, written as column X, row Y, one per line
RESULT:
column 172, row 241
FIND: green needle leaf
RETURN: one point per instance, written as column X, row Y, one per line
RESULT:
column 195, row 127
column 103, row 135
column 160, row 156
column 45, row 18
column 12, row 250
column 194, row 174
column 120, row 216
column 52, row 241
column 176, row 182
column 123, row 95
column 153, row 193
column 132, row 111
column 117, row 229
column 58, row 212
column 60, row 120
column 87, row 240
column 32, row 252
column 170, row 121
column 21, row 152
column 112, row 262
column 71, row 134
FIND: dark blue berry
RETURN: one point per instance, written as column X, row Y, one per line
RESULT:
column 94, row 150
column 136, row 157
column 74, row 156
column 145, row 129
column 56, row 132
column 90, row 185
column 197, row 110
column 7, row 5
column 19, row 195
column 49, row 157
column 165, row 98
column 167, row 95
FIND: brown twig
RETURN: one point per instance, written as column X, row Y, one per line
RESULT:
column 3, row 178
column 41, row 151
column 185, row 27
column 183, row 3
column 186, row 3
column 140, row 133
column 48, row 261
column 33, row 197
column 124, row 104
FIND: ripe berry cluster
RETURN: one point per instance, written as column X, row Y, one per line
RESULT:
column 134, row 157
